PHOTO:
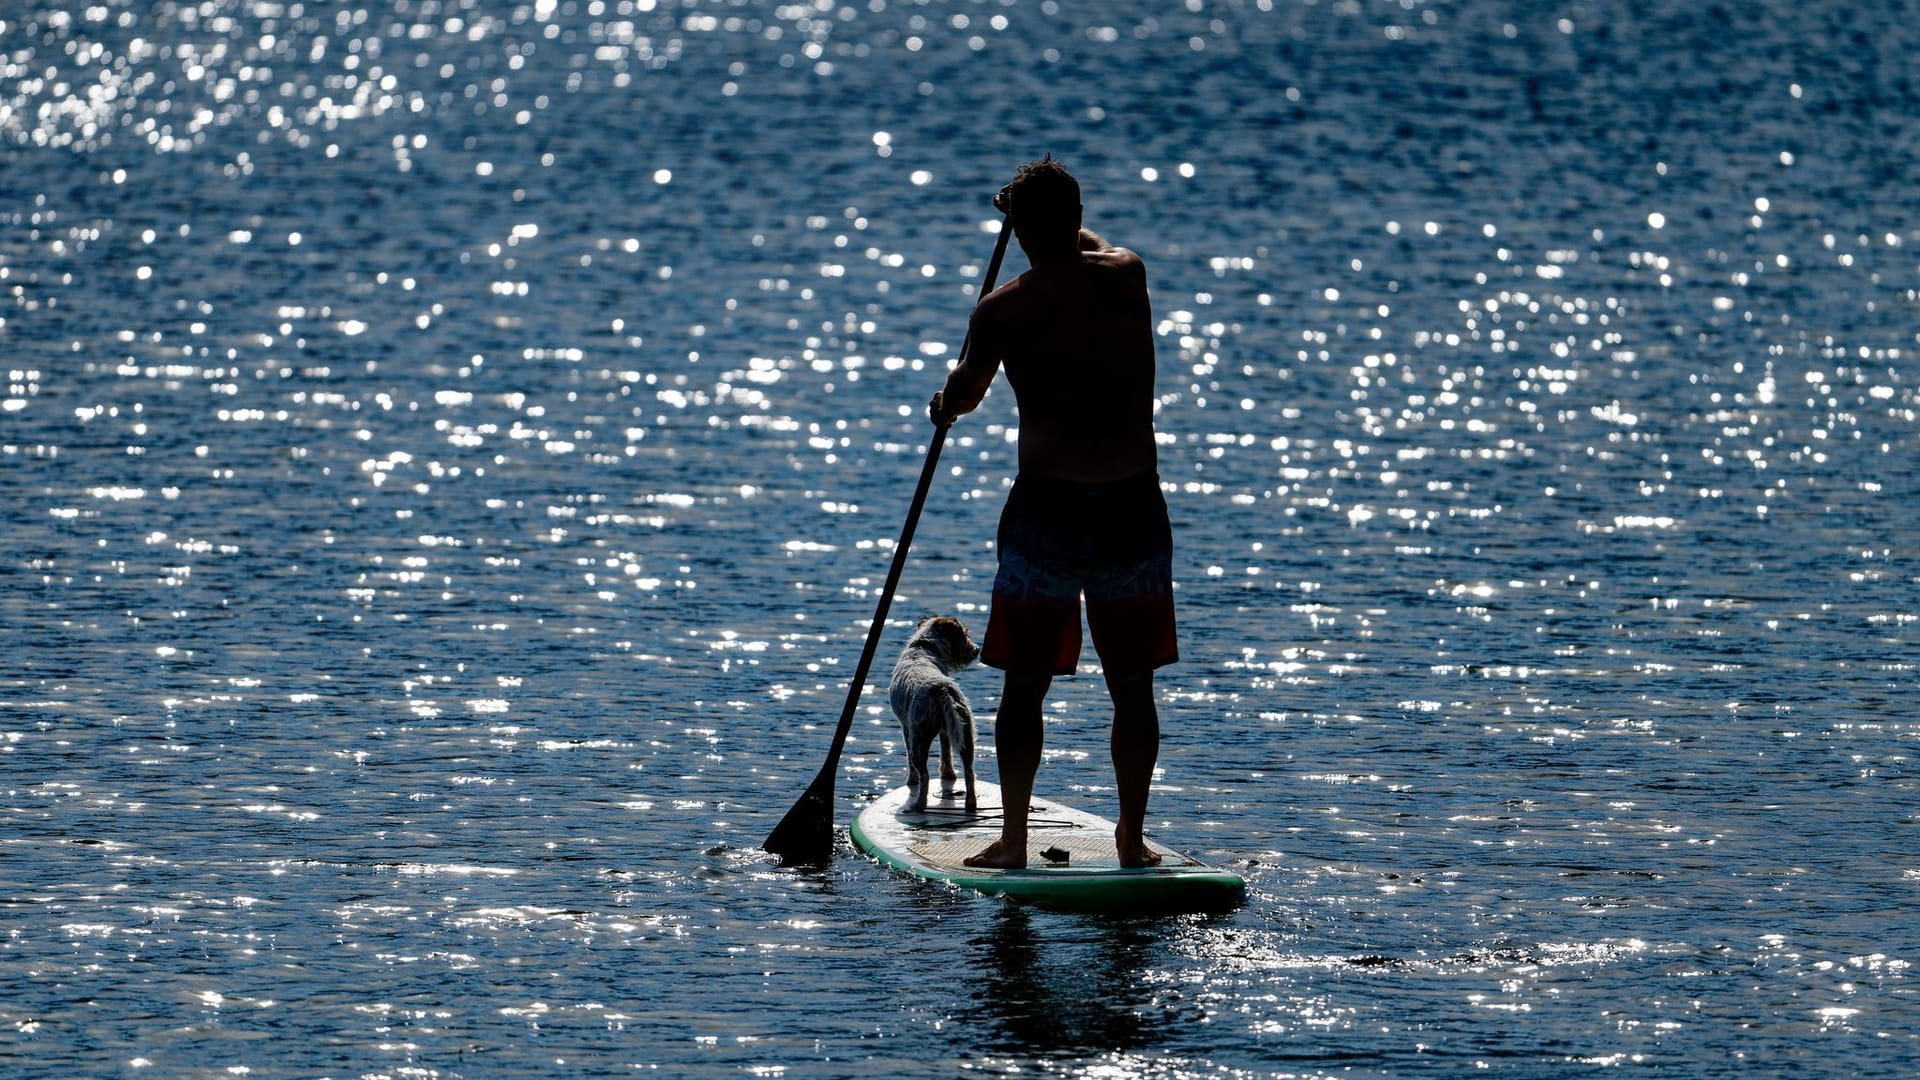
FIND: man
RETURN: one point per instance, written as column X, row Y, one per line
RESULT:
column 1075, row 334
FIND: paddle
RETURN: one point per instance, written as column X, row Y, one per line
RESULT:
column 805, row 835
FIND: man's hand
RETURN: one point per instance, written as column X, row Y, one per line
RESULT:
column 937, row 410
column 1003, row 202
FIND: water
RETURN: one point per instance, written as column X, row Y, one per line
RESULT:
column 450, row 452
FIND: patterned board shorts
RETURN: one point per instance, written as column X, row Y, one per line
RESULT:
column 1110, row 542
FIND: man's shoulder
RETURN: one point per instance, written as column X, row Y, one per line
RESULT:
column 1004, row 300
column 1117, row 262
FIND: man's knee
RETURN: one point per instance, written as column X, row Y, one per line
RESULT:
column 1132, row 690
column 1026, row 686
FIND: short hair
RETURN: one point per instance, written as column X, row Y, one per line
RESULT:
column 1045, row 200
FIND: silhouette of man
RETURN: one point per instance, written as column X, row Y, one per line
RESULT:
column 1086, row 516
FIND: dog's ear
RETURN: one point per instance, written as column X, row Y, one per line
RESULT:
column 924, row 620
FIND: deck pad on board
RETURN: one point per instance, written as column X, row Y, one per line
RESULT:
column 1085, row 849
column 935, row 843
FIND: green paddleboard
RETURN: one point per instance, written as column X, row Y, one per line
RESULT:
column 1071, row 863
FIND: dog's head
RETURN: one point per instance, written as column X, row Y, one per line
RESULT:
column 948, row 637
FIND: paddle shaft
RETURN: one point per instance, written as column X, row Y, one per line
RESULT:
column 806, row 833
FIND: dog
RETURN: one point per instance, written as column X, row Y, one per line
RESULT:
column 929, row 704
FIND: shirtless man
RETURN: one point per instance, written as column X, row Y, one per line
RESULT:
column 1075, row 334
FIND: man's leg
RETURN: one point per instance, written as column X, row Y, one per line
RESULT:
column 1135, row 746
column 1018, row 732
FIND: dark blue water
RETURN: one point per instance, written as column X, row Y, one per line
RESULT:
column 450, row 451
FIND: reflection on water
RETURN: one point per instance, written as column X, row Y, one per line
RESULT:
column 1069, row 996
column 451, row 451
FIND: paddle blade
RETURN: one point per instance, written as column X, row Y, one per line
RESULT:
column 805, row 835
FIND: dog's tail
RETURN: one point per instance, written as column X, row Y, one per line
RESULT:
column 954, row 699
column 954, row 710
column 945, row 704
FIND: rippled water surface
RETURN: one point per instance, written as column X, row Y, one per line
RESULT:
column 451, row 450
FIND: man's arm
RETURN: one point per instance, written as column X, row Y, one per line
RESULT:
column 967, row 383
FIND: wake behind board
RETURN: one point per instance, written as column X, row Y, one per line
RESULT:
column 934, row 843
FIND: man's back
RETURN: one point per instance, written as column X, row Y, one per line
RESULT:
column 1076, row 339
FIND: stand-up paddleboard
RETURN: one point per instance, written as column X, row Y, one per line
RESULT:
column 1071, row 863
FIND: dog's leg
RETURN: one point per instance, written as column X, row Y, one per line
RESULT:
column 919, row 743
column 960, row 720
column 946, row 760
column 906, row 743
column 916, row 786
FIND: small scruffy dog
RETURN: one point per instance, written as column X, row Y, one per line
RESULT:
column 929, row 703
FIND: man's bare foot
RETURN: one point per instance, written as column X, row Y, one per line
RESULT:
column 1133, row 850
column 999, row 856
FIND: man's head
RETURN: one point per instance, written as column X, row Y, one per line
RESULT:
column 1046, row 209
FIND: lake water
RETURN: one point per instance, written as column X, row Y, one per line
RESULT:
column 451, row 450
